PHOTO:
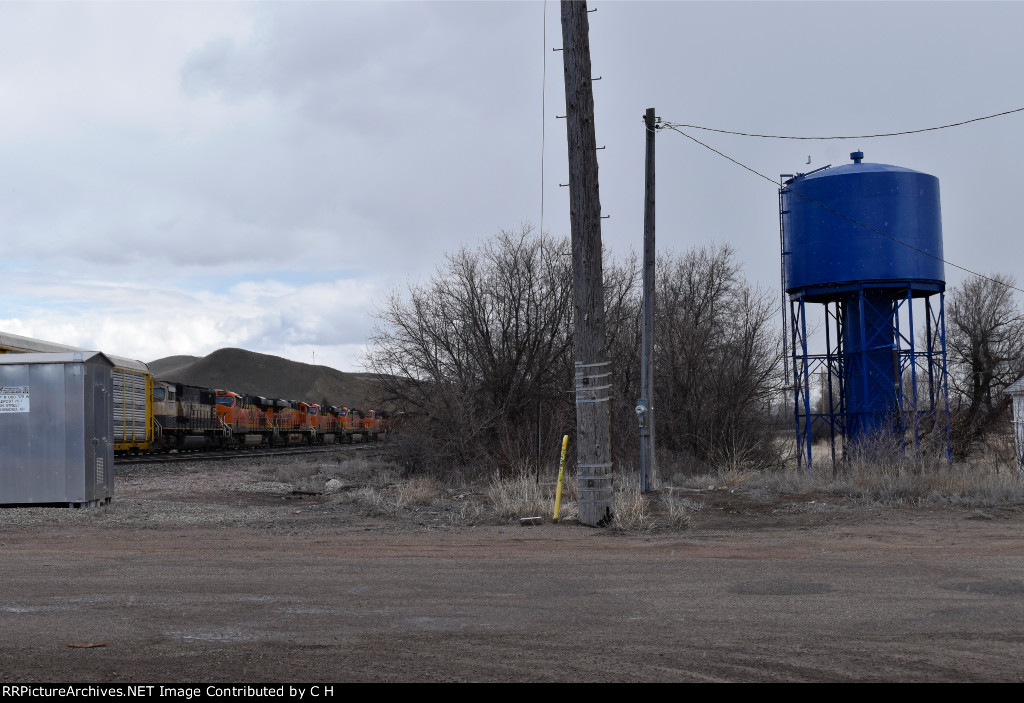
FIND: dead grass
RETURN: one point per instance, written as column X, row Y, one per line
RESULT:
column 635, row 511
column 877, row 473
column 383, row 492
column 881, row 471
column 386, row 493
column 678, row 510
column 631, row 509
column 419, row 490
column 467, row 511
column 522, row 496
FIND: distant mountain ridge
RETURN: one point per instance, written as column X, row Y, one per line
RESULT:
column 249, row 372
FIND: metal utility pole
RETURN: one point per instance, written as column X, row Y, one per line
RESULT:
column 645, row 406
column 593, row 371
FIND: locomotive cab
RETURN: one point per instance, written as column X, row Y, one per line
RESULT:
column 308, row 413
column 226, row 400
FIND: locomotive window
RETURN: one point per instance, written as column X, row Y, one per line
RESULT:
column 226, row 400
column 158, row 394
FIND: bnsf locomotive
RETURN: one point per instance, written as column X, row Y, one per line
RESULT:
column 151, row 415
column 187, row 417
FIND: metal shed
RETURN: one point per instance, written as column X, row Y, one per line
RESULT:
column 56, row 429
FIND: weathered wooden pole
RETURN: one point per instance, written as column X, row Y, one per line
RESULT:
column 593, row 371
column 645, row 407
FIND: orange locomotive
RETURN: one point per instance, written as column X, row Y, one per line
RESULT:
column 186, row 417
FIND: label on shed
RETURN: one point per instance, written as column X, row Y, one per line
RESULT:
column 14, row 399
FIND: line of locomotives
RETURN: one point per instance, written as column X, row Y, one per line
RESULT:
column 188, row 417
column 153, row 416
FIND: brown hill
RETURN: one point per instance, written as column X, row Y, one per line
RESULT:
column 169, row 364
column 244, row 371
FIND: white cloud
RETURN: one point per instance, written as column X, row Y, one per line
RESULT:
column 176, row 177
column 149, row 323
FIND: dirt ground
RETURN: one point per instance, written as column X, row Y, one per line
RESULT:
column 210, row 573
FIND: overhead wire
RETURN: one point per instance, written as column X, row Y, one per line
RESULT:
column 862, row 136
column 675, row 128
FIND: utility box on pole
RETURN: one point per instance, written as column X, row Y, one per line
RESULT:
column 1016, row 391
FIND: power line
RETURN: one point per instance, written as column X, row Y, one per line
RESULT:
column 862, row 136
column 674, row 128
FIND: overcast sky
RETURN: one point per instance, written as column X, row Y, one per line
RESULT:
column 180, row 177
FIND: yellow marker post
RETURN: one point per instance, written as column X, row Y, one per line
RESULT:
column 561, row 473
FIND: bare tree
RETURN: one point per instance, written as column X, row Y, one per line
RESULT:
column 985, row 343
column 471, row 351
column 622, row 302
column 468, row 354
column 717, row 359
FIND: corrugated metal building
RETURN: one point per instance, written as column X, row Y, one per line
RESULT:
column 56, row 428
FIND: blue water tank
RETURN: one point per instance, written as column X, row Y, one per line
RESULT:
column 829, row 250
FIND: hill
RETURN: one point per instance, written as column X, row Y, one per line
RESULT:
column 169, row 364
column 244, row 371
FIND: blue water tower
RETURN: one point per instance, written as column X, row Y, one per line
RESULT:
column 864, row 241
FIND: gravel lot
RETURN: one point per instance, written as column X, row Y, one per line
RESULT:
column 218, row 572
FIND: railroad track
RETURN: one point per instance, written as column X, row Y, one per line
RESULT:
column 240, row 453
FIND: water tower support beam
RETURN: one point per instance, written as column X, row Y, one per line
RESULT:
column 899, row 360
column 801, row 383
column 930, row 341
column 792, row 327
column 944, row 381
column 913, row 369
column 839, row 355
column 829, row 363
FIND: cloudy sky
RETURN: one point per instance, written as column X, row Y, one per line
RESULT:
column 180, row 177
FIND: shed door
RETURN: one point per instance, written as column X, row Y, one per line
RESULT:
column 102, row 414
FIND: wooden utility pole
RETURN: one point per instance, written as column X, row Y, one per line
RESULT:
column 593, row 371
column 645, row 407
